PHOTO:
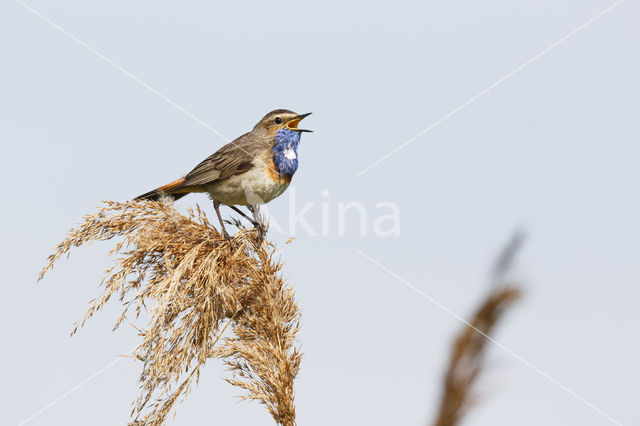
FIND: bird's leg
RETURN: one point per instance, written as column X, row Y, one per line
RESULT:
column 216, row 206
column 243, row 214
column 258, row 219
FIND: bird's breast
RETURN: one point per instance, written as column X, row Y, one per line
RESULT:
column 271, row 170
column 259, row 185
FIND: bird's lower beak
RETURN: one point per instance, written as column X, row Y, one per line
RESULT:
column 293, row 124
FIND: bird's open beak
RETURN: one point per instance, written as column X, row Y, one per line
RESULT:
column 293, row 124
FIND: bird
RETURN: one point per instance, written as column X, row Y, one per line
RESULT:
column 252, row 169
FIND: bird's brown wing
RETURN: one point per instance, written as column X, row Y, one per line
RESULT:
column 235, row 158
column 232, row 159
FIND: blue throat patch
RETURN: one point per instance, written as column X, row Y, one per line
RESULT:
column 285, row 152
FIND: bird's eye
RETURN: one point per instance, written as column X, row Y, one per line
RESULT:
column 278, row 120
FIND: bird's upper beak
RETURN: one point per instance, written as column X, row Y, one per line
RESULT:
column 293, row 124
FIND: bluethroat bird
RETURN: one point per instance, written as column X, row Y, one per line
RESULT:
column 253, row 169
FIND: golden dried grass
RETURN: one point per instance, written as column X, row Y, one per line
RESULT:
column 466, row 360
column 194, row 285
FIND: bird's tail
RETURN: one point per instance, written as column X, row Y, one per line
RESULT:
column 164, row 191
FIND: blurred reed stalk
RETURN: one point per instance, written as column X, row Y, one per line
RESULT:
column 205, row 297
column 467, row 357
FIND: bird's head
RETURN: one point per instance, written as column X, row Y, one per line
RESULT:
column 281, row 119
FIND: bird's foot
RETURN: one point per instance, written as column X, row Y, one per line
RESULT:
column 260, row 228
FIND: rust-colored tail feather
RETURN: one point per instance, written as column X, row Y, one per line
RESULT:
column 164, row 191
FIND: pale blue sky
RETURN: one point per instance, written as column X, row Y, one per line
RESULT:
column 553, row 148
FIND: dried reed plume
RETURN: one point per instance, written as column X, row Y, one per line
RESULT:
column 468, row 352
column 194, row 285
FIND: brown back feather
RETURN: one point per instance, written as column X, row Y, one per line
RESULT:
column 234, row 158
